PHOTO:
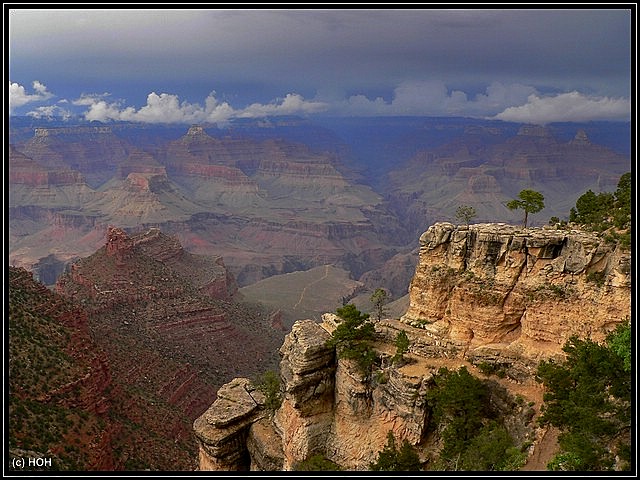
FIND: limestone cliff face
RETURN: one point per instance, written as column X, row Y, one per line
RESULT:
column 492, row 293
column 328, row 409
column 520, row 291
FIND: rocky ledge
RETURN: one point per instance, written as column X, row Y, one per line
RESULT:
column 521, row 290
column 493, row 293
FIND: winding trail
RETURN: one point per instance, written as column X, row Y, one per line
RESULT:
column 304, row 290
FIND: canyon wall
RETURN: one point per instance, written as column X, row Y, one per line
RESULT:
column 494, row 293
column 520, row 292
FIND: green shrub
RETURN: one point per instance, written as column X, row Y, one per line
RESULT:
column 588, row 397
column 486, row 450
column 390, row 459
column 459, row 401
column 596, row 277
column 472, row 438
column 402, row 346
column 316, row 463
column 269, row 385
column 351, row 336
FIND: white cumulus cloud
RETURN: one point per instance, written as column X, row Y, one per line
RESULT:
column 167, row 108
column 567, row 107
column 49, row 112
column 18, row 95
column 290, row 105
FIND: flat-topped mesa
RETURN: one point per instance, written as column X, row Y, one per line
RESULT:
column 95, row 152
column 48, row 132
column 140, row 162
column 26, row 171
column 534, row 131
column 522, row 291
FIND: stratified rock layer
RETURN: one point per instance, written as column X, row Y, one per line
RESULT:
column 222, row 430
column 526, row 291
column 493, row 293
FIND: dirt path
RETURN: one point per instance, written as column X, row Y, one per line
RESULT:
column 304, row 290
column 545, row 449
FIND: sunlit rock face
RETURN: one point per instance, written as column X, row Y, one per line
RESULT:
column 522, row 290
column 329, row 408
column 223, row 429
column 494, row 293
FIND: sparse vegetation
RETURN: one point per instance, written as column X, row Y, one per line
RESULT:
column 483, row 290
column 592, row 209
column 619, row 341
column 269, row 385
column 596, row 277
column 402, row 346
column 392, row 459
column 545, row 290
column 164, row 368
column 607, row 212
column 316, row 463
column 446, row 277
column 379, row 298
column 492, row 369
column 473, row 438
column 351, row 336
column 589, row 399
column 43, row 362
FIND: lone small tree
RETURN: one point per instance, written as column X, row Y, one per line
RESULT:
column 465, row 213
column 528, row 200
column 379, row 298
column 270, row 386
column 351, row 337
column 402, row 346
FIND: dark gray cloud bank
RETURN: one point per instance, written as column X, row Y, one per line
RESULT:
column 185, row 65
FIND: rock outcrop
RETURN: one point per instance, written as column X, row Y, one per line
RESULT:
column 329, row 408
column 223, row 429
column 522, row 292
column 58, row 377
column 488, row 293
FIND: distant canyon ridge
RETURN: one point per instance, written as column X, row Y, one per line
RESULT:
column 285, row 195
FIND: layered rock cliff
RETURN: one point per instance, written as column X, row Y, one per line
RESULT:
column 487, row 293
column 270, row 206
column 171, row 327
column 521, row 292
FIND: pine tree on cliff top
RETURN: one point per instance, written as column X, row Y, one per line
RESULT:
column 528, row 200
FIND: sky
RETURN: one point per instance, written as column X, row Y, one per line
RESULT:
column 213, row 65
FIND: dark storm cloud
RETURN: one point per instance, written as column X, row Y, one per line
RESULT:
column 322, row 54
